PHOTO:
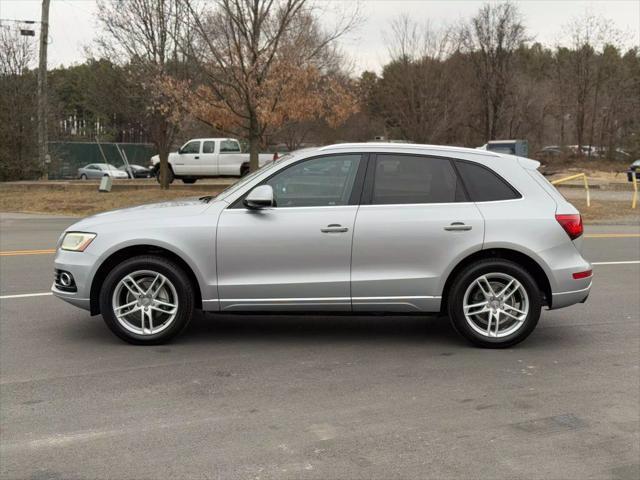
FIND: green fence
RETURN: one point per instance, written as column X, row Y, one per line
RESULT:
column 67, row 157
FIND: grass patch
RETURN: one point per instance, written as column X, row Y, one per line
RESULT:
column 607, row 211
column 83, row 203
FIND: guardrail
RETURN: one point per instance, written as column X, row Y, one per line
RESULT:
column 573, row 177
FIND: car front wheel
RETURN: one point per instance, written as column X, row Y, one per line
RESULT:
column 494, row 303
column 147, row 300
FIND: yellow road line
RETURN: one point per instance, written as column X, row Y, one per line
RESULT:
column 13, row 253
column 612, row 235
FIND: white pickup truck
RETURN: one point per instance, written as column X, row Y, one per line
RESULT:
column 208, row 157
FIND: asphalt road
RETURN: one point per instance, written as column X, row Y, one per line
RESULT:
column 316, row 397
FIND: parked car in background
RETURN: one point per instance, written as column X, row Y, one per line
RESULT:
column 634, row 168
column 137, row 171
column 99, row 170
column 208, row 157
column 550, row 151
column 480, row 236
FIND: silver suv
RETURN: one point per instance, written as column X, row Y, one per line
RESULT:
column 361, row 228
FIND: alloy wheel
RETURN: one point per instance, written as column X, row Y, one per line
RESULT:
column 145, row 302
column 496, row 305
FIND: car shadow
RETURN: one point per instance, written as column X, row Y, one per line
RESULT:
column 319, row 329
column 306, row 329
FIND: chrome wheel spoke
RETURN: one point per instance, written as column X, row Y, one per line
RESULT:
column 486, row 289
column 164, row 304
column 476, row 308
column 126, row 305
column 514, row 309
column 490, row 317
column 168, row 312
column 502, row 292
column 518, row 319
column 154, row 293
column 132, row 285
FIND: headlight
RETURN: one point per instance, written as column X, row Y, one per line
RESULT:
column 77, row 241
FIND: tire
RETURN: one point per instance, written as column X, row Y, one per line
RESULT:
column 83, row 177
column 175, row 289
column 170, row 175
column 189, row 181
column 244, row 169
column 469, row 289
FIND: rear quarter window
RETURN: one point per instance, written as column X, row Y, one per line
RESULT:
column 483, row 184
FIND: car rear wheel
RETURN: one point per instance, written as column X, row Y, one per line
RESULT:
column 494, row 303
column 147, row 300
column 83, row 177
column 244, row 169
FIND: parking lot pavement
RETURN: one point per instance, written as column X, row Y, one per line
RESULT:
column 317, row 397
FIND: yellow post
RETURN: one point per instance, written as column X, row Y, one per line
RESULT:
column 634, row 180
column 573, row 177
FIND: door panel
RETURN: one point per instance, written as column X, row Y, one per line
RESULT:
column 296, row 256
column 280, row 259
column 207, row 164
column 188, row 159
column 400, row 253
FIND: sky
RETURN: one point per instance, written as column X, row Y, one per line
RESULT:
column 73, row 26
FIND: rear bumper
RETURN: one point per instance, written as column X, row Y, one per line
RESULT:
column 564, row 299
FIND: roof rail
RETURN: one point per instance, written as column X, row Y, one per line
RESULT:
column 411, row 146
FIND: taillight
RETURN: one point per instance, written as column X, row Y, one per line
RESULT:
column 572, row 224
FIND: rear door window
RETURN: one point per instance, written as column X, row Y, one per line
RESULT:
column 229, row 146
column 404, row 179
column 484, row 185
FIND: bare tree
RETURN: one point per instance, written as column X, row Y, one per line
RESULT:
column 142, row 33
column 582, row 72
column 491, row 38
column 264, row 63
column 17, row 106
column 413, row 92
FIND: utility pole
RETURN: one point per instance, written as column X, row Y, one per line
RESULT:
column 43, row 137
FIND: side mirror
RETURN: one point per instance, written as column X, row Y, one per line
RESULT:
column 180, row 151
column 260, row 197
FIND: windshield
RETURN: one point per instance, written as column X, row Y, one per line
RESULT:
column 233, row 188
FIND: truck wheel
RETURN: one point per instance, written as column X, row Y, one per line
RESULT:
column 170, row 176
column 244, row 169
column 189, row 180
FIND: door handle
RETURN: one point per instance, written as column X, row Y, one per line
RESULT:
column 457, row 227
column 197, row 158
column 334, row 228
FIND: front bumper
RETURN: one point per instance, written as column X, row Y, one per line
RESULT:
column 80, row 265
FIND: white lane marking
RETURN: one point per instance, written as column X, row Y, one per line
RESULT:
column 25, row 295
column 628, row 262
